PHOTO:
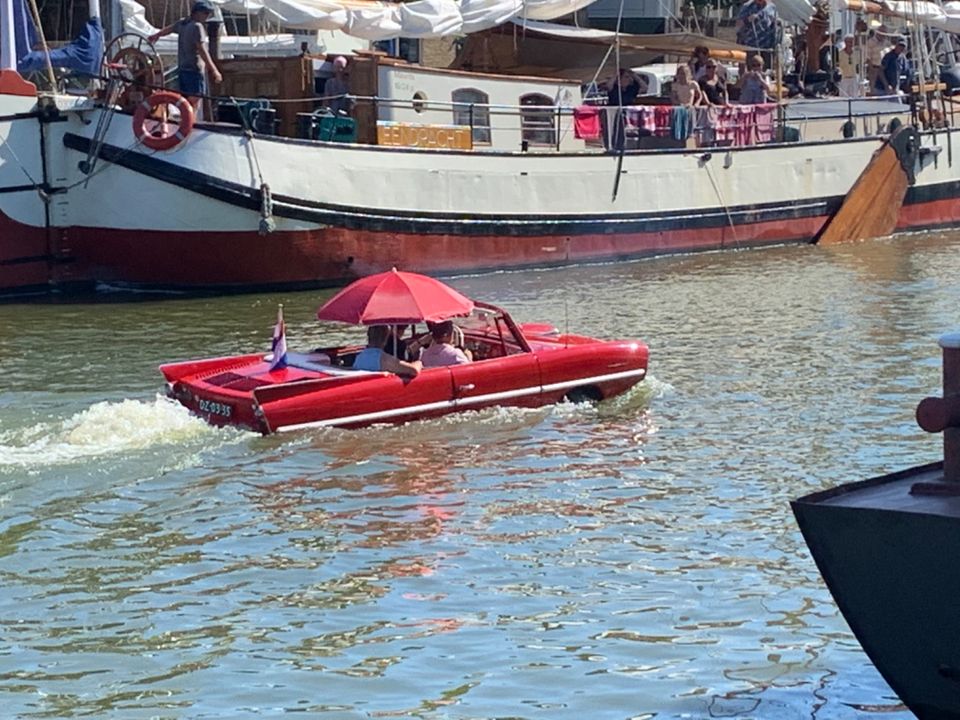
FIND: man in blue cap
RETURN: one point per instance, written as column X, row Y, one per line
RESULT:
column 193, row 58
column 894, row 71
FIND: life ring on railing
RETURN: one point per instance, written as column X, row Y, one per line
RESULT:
column 162, row 135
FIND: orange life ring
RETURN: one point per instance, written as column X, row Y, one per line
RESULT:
column 162, row 136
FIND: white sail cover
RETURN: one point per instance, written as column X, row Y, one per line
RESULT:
column 135, row 21
column 482, row 14
column 373, row 20
column 945, row 17
column 795, row 12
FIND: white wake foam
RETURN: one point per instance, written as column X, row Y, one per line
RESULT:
column 106, row 428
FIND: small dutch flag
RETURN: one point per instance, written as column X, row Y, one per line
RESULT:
column 278, row 359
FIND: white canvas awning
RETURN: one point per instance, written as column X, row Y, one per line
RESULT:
column 795, row 12
column 135, row 21
column 942, row 17
column 377, row 20
column 543, row 49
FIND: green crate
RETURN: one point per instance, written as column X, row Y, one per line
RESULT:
column 335, row 129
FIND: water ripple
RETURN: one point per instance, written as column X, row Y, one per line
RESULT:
column 631, row 560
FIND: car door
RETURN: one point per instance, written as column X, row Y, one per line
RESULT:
column 385, row 398
column 510, row 380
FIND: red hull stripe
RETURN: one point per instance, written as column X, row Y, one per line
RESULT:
column 242, row 262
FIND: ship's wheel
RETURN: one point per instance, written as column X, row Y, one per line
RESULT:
column 132, row 61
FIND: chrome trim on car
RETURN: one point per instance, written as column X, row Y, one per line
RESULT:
column 464, row 401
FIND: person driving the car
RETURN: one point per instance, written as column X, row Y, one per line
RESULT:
column 443, row 349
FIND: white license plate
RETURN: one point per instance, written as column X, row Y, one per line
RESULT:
column 212, row 407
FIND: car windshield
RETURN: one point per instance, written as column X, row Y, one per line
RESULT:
column 480, row 320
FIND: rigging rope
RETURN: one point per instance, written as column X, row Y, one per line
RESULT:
column 267, row 223
column 43, row 41
column 620, row 120
column 5, row 144
column 616, row 42
column 705, row 161
column 103, row 124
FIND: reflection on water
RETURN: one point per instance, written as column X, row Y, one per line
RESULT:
column 632, row 560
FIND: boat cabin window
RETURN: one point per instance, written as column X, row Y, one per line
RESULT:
column 406, row 48
column 471, row 107
column 537, row 120
column 236, row 23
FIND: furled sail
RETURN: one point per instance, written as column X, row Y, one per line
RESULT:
column 795, row 12
column 942, row 17
column 134, row 19
column 484, row 14
column 375, row 20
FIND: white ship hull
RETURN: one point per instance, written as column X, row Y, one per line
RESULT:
column 190, row 217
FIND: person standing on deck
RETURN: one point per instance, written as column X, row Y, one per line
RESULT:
column 849, row 68
column 698, row 62
column 712, row 86
column 336, row 88
column 757, row 27
column 193, row 57
column 622, row 90
column 876, row 48
column 684, row 91
column 755, row 89
column 893, row 68
column 828, row 55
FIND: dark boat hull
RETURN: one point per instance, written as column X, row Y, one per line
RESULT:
column 888, row 557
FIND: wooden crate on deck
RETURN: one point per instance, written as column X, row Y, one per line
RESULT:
column 273, row 78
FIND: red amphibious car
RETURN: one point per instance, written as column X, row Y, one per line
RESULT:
column 526, row 365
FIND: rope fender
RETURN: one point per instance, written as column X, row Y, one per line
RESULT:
column 267, row 223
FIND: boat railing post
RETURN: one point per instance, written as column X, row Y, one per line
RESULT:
column 8, row 45
column 943, row 414
column 950, row 343
column 557, row 123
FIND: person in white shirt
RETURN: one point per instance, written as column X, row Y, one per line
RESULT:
column 849, row 68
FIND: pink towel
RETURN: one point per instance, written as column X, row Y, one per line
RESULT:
column 736, row 125
column 726, row 128
column 640, row 116
column 746, row 125
column 706, row 123
column 661, row 120
column 586, row 122
column 763, row 120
